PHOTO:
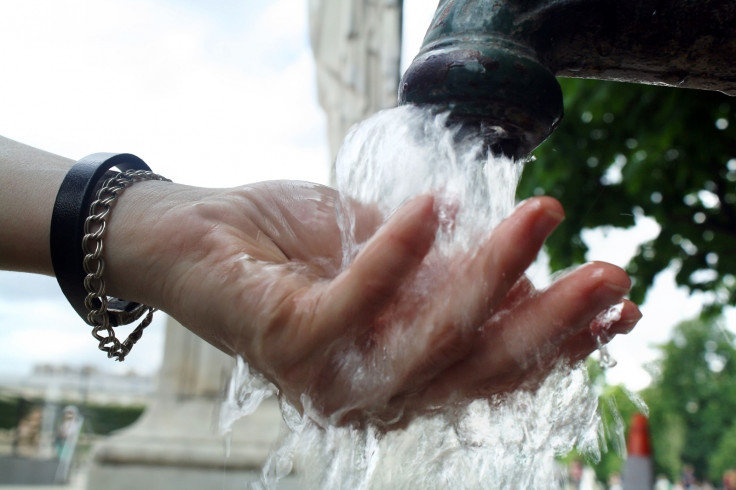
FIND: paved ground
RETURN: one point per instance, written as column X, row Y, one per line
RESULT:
column 78, row 482
column 44, row 487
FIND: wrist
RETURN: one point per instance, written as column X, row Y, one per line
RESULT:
column 80, row 216
column 140, row 245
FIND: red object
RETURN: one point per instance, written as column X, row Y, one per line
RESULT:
column 639, row 443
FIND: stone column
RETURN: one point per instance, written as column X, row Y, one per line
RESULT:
column 357, row 50
column 176, row 443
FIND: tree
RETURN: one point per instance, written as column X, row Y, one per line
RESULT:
column 692, row 398
column 724, row 457
column 626, row 150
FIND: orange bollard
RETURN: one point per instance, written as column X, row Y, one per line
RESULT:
column 638, row 472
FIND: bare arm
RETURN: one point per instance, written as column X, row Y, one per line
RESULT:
column 257, row 271
column 29, row 181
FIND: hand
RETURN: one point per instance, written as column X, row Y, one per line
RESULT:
column 258, row 271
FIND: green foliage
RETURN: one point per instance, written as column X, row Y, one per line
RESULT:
column 9, row 408
column 104, row 419
column 627, row 150
column 724, row 457
column 99, row 419
column 668, row 443
column 691, row 401
column 692, row 398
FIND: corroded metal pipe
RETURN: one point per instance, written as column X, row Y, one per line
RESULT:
column 493, row 62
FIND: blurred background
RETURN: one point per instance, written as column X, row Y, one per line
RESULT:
column 224, row 93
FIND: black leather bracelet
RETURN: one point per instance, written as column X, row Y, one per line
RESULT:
column 67, row 227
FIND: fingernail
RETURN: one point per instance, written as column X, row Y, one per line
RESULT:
column 617, row 289
column 546, row 222
column 608, row 293
column 626, row 325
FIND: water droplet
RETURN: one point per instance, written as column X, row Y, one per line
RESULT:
column 606, row 361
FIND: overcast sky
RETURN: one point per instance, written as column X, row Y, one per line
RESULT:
column 210, row 94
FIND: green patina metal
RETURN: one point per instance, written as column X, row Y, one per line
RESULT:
column 493, row 62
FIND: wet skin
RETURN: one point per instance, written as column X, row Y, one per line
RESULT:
column 257, row 271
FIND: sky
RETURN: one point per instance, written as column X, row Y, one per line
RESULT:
column 210, row 94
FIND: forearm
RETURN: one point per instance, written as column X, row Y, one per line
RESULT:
column 152, row 224
column 29, row 181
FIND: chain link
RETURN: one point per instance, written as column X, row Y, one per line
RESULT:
column 96, row 301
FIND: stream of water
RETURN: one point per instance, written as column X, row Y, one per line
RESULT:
column 504, row 442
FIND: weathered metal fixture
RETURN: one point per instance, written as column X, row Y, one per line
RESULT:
column 493, row 62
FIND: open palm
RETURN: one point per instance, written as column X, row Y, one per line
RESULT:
column 259, row 271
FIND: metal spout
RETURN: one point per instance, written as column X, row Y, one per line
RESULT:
column 493, row 63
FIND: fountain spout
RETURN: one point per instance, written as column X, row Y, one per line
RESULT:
column 493, row 62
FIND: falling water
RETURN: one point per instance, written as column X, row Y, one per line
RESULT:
column 407, row 151
column 503, row 442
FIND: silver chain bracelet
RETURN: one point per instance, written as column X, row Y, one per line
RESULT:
column 97, row 301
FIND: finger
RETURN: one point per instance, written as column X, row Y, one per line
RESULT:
column 562, row 310
column 383, row 265
column 530, row 334
column 513, row 246
column 488, row 278
column 588, row 340
column 454, row 343
column 521, row 291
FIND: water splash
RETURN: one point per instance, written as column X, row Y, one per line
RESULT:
column 600, row 326
column 245, row 392
column 509, row 442
column 504, row 442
